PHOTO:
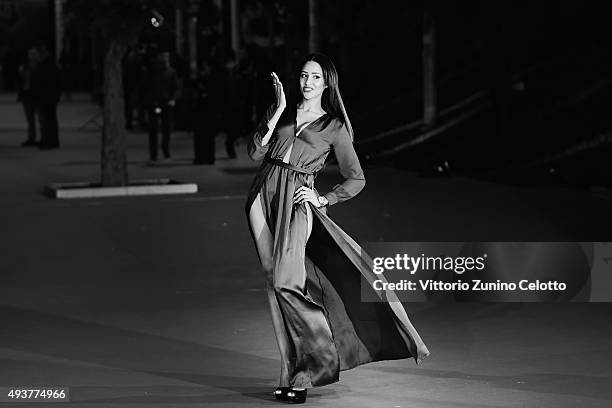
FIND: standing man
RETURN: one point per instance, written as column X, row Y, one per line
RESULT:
column 25, row 95
column 161, row 89
column 47, row 91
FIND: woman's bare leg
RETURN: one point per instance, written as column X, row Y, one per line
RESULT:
column 264, row 242
column 308, row 220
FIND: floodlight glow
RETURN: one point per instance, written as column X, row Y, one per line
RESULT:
column 156, row 19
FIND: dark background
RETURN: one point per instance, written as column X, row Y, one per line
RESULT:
column 160, row 300
column 543, row 68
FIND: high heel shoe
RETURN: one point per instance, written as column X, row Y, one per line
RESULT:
column 290, row 395
column 297, row 396
column 281, row 393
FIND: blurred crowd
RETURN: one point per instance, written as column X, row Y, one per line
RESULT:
column 220, row 99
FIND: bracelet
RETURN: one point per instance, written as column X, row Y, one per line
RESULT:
column 323, row 201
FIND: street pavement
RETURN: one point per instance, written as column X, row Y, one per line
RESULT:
column 159, row 300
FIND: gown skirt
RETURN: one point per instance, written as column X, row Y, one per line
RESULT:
column 317, row 287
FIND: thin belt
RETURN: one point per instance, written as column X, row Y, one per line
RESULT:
column 281, row 163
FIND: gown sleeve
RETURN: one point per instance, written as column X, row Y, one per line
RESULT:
column 350, row 169
column 254, row 148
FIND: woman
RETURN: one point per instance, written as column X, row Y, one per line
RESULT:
column 313, row 269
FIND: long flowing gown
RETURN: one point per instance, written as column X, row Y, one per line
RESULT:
column 317, row 280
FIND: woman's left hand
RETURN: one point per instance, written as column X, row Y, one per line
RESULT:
column 303, row 194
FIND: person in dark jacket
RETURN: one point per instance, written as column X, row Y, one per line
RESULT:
column 47, row 90
column 161, row 88
column 25, row 95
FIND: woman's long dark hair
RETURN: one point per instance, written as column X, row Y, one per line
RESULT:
column 331, row 100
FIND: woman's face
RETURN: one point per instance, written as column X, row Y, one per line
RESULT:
column 312, row 84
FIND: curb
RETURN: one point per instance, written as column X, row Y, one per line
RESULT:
column 134, row 188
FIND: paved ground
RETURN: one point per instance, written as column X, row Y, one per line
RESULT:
column 158, row 301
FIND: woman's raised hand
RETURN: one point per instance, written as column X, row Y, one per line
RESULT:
column 281, row 102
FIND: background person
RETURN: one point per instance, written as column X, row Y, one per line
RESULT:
column 26, row 96
column 162, row 88
column 47, row 91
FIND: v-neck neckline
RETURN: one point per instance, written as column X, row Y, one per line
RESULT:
column 304, row 126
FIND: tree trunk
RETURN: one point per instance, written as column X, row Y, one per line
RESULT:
column 234, row 25
column 59, row 29
column 114, row 160
column 314, row 34
column 95, row 64
column 289, row 44
column 179, row 38
column 270, row 13
column 430, row 110
column 192, row 32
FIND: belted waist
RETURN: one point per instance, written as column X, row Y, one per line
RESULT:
column 281, row 163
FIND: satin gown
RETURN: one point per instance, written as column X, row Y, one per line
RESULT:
column 317, row 280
